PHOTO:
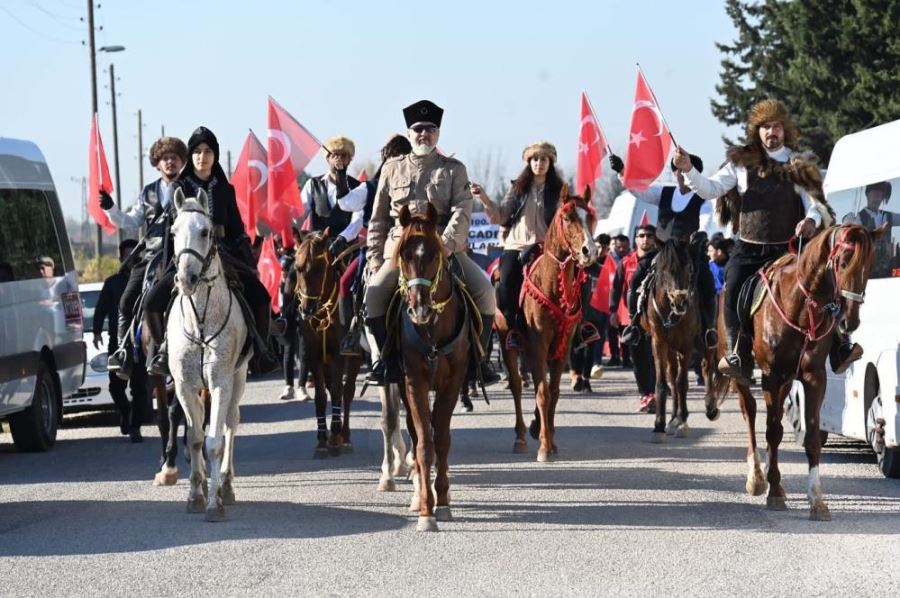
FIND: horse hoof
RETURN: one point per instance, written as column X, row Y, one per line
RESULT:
column 819, row 512
column 756, row 487
column 400, row 471
column 672, row 426
column 443, row 514
column 520, row 447
column 227, row 494
column 776, row 503
column 347, row 449
column 535, row 429
column 658, row 437
column 545, row 456
column 713, row 414
column 165, row 477
column 197, row 505
column 682, row 431
column 215, row 514
column 387, row 485
column 426, row 524
column 321, row 453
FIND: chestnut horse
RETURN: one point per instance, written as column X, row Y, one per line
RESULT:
column 672, row 318
column 806, row 297
column 551, row 302
column 435, row 347
column 318, row 281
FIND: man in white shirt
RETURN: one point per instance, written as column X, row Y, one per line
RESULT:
column 778, row 195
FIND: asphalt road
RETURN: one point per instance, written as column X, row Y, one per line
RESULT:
column 615, row 515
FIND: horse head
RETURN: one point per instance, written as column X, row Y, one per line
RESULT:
column 423, row 269
column 194, row 242
column 674, row 279
column 850, row 255
column 571, row 231
column 317, row 287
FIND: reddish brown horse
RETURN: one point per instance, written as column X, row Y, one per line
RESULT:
column 806, row 297
column 672, row 318
column 552, row 307
column 318, row 280
column 434, row 346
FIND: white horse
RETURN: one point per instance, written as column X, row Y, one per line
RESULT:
column 206, row 332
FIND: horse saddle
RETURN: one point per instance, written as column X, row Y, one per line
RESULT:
column 753, row 293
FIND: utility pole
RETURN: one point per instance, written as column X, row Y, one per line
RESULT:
column 162, row 130
column 140, row 152
column 112, row 89
column 98, row 243
column 228, row 161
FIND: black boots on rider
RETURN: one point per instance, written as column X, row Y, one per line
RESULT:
column 843, row 353
column 488, row 374
column 350, row 342
column 737, row 364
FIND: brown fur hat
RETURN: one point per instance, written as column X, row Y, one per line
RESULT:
column 767, row 111
column 540, row 148
column 339, row 143
column 167, row 145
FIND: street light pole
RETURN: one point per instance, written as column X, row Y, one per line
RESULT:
column 112, row 89
column 140, row 152
column 98, row 242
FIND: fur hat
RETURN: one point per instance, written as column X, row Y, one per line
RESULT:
column 203, row 135
column 767, row 111
column 541, row 148
column 167, row 145
column 339, row 143
column 883, row 186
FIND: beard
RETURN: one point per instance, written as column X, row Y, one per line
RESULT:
column 422, row 149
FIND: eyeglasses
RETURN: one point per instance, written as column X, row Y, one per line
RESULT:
column 646, row 235
column 423, row 128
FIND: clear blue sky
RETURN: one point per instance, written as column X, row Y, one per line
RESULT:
column 506, row 73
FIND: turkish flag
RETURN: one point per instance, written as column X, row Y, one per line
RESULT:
column 250, row 180
column 363, row 176
column 645, row 219
column 592, row 148
column 269, row 268
column 600, row 297
column 98, row 178
column 649, row 141
column 291, row 147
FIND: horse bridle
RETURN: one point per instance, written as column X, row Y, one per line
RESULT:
column 205, row 260
column 838, row 249
column 323, row 316
column 432, row 285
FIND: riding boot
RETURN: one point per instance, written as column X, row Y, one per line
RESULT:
column 739, row 363
column 514, row 339
column 157, row 355
column 120, row 360
column 265, row 362
column 708, row 323
column 385, row 369
column 843, row 353
column 350, row 342
column 488, row 374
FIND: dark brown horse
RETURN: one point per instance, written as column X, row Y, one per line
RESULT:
column 435, row 350
column 318, row 281
column 672, row 317
column 806, row 297
column 552, row 308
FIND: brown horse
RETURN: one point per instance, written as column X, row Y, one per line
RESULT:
column 672, row 318
column 552, row 307
column 435, row 350
column 806, row 297
column 318, row 280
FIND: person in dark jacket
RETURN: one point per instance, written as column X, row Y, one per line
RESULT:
column 131, row 415
column 203, row 171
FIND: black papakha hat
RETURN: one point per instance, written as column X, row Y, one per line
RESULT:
column 423, row 111
column 203, row 135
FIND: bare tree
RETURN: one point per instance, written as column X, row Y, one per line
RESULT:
column 486, row 169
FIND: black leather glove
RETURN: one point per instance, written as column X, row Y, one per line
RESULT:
column 529, row 253
column 337, row 246
column 106, row 200
column 615, row 162
column 340, row 181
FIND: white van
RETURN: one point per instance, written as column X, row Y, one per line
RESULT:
column 863, row 186
column 42, row 353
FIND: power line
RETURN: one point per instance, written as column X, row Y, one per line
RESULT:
column 64, row 21
column 35, row 31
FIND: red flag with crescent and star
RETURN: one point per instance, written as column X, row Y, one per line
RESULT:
column 98, row 178
column 592, row 147
column 363, row 176
column 290, row 149
column 250, row 180
column 649, row 141
column 269, row 268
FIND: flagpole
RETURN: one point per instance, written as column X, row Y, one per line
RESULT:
column 658, row 107
column 597, row 122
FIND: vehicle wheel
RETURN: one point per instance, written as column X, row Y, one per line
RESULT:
column 34, row 430
column 794, row 412
column 888, row 457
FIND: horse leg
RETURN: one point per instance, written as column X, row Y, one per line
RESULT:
column 511, row 359
column 418, row 404
column 321, row 403
column 660, row 362
column 542, row 399
column 410, row 458
column 756, row 482
column 681, row 385
column 168, row 431
column 194, row 413
column 774, row 392
column 710, row 400
column 444, row 405
column 556, row 370
column 335, row 392
column 232, row 419
column 221, row 399
column 390, row 421
column 814, row 392
column 349, row 389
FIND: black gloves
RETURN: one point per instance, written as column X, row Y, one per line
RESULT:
column 106, row 201
column 615, row 162
column 340, row 181
column 337, row 246
column 529, row 253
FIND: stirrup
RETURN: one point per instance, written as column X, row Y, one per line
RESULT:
column 488, row 374
column 631, row 335
column 350, row 344
column 732, row 365
column 159, row 365
column 120, row 363
column 711, row 338
column 847, row 357
column 514, row 340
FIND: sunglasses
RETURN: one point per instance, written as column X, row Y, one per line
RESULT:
column 423, row 128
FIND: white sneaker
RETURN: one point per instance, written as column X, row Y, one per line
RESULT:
column 288, row 393
column 596, row 372
column 302, row 394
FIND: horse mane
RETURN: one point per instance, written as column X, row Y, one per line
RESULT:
column 562, row 207
column 816, row 254
column 671, row 260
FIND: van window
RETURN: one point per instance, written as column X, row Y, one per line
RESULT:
column 873, row 205
column 29, row 245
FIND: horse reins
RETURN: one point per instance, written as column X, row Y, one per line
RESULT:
column 322, row 319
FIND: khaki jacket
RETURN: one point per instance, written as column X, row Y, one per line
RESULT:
column 414, row 181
